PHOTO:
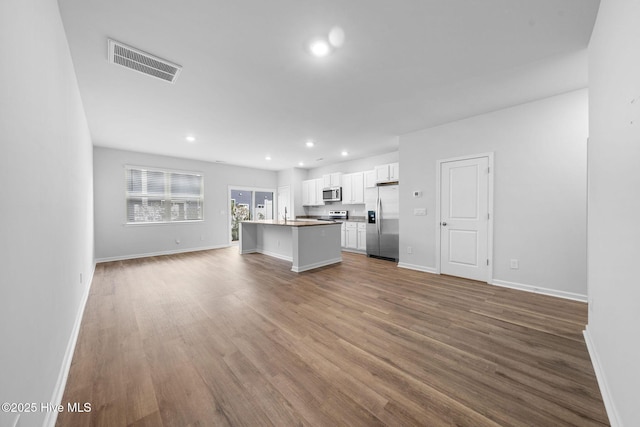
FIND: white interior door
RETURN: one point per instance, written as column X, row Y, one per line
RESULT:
column 464, row 218
column 284, row 202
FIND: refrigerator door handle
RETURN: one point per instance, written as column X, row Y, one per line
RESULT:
column 379, row 220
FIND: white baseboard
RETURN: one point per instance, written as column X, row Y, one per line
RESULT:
column 539, row 290
column 274, row 255
column 150, row 254
column 355, row 251
column 614, row 420
column 63, row 375
column 302, row 268
column 417, row 267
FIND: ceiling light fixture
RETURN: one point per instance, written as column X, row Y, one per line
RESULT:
column 336, row 37
column 301, row 164
column 319, row 48
column 191, row 138
column 345, row 153
column 309, row 144
column 268, row 158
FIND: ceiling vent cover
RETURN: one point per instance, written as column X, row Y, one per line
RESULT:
column 142, row 62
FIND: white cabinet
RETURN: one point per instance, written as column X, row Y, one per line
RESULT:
column 362, row 236
column 331, row 180
column 370, row 178
column 353, row 188
column 319, row 188
column 351, row 236
column 354, row 236
column 388, row 173
column 312, row 192
column 308, row 192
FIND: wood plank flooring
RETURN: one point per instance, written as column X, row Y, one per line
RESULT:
column 215, row 338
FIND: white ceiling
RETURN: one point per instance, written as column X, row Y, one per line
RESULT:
column 249, row 88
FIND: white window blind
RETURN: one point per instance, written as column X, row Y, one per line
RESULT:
column 155, row 195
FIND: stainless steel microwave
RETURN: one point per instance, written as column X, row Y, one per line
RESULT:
column 332, row 194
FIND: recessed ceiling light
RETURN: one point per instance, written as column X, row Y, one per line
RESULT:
column 191, row 138
column 345, row 153
column 268, row 158
column 301, row 164
column 319, row 48
column 336, row 37
column 309, row 143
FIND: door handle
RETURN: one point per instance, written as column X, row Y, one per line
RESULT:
column 444, row 224
column 379, row 209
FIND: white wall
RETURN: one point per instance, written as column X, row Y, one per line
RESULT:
column 540, row 190
column 356, row 165
column 47, row 209
column 614, row 206
column 115, row 240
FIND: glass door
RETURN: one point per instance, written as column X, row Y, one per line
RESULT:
column 248, row 204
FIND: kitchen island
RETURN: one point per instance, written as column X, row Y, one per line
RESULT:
column 307, row 244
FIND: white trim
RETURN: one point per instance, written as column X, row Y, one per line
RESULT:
column 605, row 391
column 490, row 207
column 63, row 375
column 302, row 268
column 160, row 253
column 354, row 251
column 417, row 268
column 539, row 290
column 273, row 254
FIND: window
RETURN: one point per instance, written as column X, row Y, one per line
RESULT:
column 163, row 196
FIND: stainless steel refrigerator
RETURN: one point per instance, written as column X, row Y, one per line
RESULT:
column 383, row 217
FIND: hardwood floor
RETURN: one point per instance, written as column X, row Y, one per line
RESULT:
column 215, row 338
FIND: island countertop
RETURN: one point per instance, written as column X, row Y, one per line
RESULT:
column 292, row 223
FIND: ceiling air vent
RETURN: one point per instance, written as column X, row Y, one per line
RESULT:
column 142, row 62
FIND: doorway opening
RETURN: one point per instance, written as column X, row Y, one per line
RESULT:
column 248, row 204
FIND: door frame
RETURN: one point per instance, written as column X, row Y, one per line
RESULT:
column 438, row 214
column 253, row 202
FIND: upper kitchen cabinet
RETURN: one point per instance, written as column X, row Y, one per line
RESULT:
column 332, row 180
column 312, row 192
column 353, row 188
column 370, row 179
column 388, row 173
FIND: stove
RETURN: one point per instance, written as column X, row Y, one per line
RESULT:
column 335, row 216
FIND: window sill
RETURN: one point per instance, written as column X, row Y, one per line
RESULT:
column 138, row 224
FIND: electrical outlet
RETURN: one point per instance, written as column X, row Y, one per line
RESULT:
column 514, row 264
column 409, row 250
column 420, row 211
column 202, row 237
column 177, row 241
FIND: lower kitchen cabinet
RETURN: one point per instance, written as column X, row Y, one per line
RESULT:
column 354, row 236
column 351, row 237
column 362, row 236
